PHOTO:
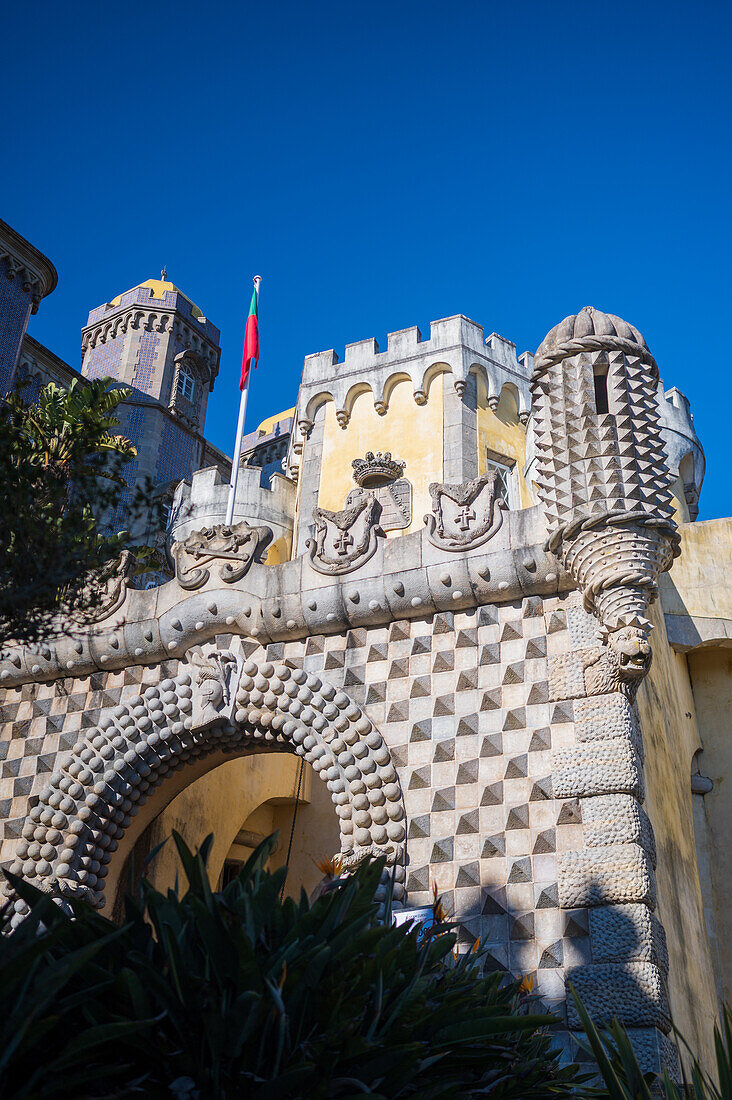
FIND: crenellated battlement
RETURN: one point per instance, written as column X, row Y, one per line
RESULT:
column 456, row 345
column 685, row 454
column 445, row 335
column 202, row 502
column 676, row 412
column 171, row 300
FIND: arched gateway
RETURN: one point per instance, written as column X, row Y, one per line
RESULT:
column 503, row 653
column 218, row 705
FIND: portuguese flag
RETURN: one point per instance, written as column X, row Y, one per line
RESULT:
column 251, row 341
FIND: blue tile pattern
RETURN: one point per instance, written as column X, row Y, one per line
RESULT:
column 105, row 360
column 30, row 385
column 118, row 519
column 178, row 454
column 132, row 426
column 147, row 356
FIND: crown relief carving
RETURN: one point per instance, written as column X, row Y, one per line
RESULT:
column 377, row 469
column 383, row 476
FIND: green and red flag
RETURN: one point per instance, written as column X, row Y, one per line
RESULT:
column 251, row 341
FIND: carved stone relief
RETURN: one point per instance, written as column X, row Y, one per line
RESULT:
column 603, row 475
column 215, row 686
column 396, row 503
column 108, row 586
column 377, row 469
column 345, row 540
column 465, row 516
column 620, row 664
column 235, row 547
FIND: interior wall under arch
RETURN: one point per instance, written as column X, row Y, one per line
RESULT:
column 257, row 791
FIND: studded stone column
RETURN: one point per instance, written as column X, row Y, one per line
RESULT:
column 607, row 881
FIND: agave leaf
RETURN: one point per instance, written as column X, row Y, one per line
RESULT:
column 615, row 1087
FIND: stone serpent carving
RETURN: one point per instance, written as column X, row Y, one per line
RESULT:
column 605, row 342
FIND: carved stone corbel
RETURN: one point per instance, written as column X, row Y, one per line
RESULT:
column 619, row 664
column 465, row 516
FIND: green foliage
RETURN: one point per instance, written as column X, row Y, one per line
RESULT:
column 624, row 1080
column 239, row 994
column 61, row 470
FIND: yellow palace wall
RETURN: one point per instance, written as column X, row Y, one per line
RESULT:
column 700, row 586
column 671, row 738
column 257, row 793
column 413, row 433
column 503, row 434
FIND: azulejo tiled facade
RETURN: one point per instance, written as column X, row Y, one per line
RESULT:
column 478, row 685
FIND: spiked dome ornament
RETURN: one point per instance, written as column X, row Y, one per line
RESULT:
column 603, row 478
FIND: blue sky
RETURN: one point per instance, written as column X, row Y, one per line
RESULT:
column 383, row 165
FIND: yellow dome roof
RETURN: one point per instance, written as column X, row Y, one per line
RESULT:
column 268, row 425
column 159, row 287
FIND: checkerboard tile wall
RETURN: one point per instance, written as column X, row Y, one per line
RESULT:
column 462, row 701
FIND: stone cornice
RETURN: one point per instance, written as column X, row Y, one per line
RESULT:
column 689, row 632
column 406, row 578
column 24, row 261
column 47, row 360
column 161, row 320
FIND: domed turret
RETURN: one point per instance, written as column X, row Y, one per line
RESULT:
column 603, row 475
column 590, row 330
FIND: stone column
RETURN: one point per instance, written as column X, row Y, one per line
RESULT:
column 310, row 480
column 607, row 881
column 460, row 431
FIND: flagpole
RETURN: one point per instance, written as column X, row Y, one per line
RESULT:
column 239, row 436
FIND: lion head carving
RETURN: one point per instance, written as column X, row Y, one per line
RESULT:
column 620, row 664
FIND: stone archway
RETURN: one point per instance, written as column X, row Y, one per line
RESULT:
column 90, row 810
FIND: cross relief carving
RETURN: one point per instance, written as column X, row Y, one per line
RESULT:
column 345, row 540
column 464, row 518
column 343, row 543
column 475, row 508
